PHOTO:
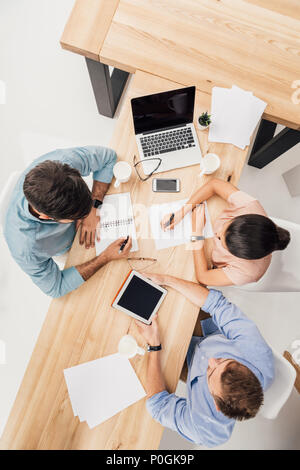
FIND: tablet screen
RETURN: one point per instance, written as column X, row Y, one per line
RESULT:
column 140, row 297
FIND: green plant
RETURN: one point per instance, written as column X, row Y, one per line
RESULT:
column 205, row 119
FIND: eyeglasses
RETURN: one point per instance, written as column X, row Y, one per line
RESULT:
column 140, row 168
column 141, row 264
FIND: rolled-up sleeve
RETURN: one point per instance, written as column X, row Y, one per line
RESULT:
column 173, row 412
column 92, row 159
column 49, row 278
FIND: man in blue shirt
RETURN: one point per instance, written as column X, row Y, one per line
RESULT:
column 49, row 203
column 228, row 369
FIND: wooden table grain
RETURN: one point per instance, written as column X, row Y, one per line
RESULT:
column 254, row 44
column 82, row 326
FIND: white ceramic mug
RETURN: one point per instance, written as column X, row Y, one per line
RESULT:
column 128, row 347
column 122, row 173
column 209, row 164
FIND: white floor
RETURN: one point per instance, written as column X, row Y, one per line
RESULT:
column 50, row 104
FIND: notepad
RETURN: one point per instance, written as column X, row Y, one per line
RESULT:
column 235, row 114
column 116, row 221
column 181, row 233
column 102, row 388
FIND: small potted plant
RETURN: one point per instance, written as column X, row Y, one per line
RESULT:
column 204, row 121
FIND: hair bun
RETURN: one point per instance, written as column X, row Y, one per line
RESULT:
column 284, row 238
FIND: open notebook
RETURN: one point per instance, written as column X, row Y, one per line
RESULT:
column 116, row 220
column 182, row 231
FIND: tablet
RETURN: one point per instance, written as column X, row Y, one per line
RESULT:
column 139, row 297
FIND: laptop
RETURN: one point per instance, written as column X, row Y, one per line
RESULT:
column 163, row 125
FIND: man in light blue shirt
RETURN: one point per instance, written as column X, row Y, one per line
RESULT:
column 228, row 369
column 49, row 203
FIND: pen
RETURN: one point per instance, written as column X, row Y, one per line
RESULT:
column 123, row 244
column 170, row 221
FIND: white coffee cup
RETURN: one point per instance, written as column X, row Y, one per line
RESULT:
column 209, row 164
column 128, row 347
column 122, row 173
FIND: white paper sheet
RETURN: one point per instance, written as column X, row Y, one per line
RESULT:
column 235, row 114
column 116, row 221
column 102, row 388
column 181, row 233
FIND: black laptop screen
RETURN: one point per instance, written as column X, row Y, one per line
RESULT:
column 171, row 108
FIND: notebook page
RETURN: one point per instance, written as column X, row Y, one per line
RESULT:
column 181, row 233
column 116, row 221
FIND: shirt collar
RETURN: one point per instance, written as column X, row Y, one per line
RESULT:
column 25, row 207
column 199, row 369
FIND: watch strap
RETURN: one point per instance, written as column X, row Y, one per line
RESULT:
column 97, row 203
column 154, row 348
column 195, row 238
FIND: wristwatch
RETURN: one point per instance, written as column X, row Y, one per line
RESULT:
column 154, row 348
column 97, row 203
column 195, row 238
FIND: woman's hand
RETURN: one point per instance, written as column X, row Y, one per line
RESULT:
column 178, row 216
column 149, row 332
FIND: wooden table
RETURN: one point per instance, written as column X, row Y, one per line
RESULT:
column 82, row 326
column 254, row 44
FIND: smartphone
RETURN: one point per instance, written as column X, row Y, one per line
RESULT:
column 161, row 185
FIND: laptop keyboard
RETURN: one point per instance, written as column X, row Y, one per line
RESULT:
column 169, row 141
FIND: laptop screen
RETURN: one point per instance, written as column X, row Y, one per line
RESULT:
column 168, row 109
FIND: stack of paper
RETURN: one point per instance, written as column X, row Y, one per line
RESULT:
column 235, row 114
column 181, row 233
column 102, row 388
column 116, row 221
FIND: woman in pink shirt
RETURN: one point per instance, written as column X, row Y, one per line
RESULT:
column 244, row 236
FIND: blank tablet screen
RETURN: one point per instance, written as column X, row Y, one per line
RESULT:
column 140, row 298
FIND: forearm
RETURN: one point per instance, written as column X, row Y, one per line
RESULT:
column 99, row 190
column 200, row 264
column 214, row 186
column 155, row 381
column 191, row 290
column 86, row 270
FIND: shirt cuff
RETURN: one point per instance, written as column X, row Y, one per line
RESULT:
column 72, row 278
column 211, row 301
column 103, row 176
column 153, row 403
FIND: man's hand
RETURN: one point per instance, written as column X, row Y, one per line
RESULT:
column 112, row 251
column 149, row 332
column 88, row 229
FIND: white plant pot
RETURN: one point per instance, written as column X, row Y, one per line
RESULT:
column 202, row 128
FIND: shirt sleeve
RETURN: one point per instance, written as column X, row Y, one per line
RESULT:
column 175, row 413
column 49, row 278
column 240, row 199
column 92, row 159
column 237, row 277
column 229, row 318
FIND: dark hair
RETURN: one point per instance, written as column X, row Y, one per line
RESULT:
column 254, row 236
column 57, row 190
column 242, row 394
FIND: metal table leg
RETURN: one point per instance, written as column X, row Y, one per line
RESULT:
column 267, row 148
column 107, row 89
